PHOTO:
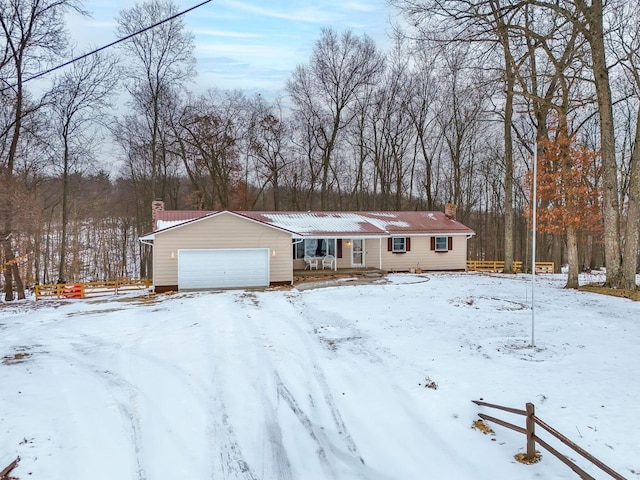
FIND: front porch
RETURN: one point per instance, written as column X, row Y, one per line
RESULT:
column 312, row 275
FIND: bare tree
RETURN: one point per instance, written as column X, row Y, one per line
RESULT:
column 32, row 33
column 626, row 45
column 421, row 109
column 212, row 131
column 268, row 144
column 591, row 18
column 79, row 100
column 160, row 62
column 551, row 79
column 324, row 92
column 485, row 24
column 392, row 133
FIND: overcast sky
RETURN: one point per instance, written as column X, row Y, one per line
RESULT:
column 248, row 44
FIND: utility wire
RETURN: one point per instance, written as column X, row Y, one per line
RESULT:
column 120, row 40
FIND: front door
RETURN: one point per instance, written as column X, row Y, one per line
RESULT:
column 357, row 252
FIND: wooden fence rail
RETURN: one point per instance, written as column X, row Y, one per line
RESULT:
column 532, row 439
column 89, row 289
column 4, row 473
column 498, row 266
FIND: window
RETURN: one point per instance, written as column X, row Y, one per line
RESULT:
column 314, row 247
column 399, row 244
column 441, row 244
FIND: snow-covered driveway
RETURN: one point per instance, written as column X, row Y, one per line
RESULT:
column 316, row 384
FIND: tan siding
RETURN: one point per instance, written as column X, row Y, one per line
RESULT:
column 455, row 259
column 222, row 231
column 372, row 252
column 421, row 256
column 415, row 258
column 345, row 261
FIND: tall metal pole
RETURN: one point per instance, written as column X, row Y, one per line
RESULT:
column 533, row 241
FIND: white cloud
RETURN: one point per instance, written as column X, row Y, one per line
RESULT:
column 225, row 33
column 360, row 6
column 293, row 11
column 277, row 56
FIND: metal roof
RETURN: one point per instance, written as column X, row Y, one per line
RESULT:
column 333, row 224
column 337, row 224
column 171, row 218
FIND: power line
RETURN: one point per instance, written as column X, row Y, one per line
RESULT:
column 120, row 40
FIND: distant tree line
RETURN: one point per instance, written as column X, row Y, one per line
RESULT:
column 456, row 111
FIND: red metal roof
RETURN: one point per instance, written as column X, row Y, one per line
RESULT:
column 166, row 218
column 335, row 224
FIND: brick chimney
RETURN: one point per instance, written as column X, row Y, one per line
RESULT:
column 450, row 210
column 156, row 206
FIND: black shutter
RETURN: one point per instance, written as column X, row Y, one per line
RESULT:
column 408, row 244
column 450, row 243
column 433, row 243
column 389, row 244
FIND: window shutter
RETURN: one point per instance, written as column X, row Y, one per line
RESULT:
column 433, row 243
column 450, row 243
column 389, row 244
column 407, row 244
column 339, row 248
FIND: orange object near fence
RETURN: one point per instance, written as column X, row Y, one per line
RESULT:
column 88, row 289
column 73, row 291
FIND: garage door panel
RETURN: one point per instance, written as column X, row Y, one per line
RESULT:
column 223, row 268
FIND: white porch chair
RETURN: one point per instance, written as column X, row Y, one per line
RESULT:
column 328, row 261
column 310, row 262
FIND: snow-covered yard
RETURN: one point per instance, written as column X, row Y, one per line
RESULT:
column 318, row 384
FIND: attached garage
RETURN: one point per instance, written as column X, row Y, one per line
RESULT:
column 223, row 268
column 220, row 250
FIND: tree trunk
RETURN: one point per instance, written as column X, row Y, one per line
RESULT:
column 7, row 270
column 632, row 234
column 11, row 272
column 572, row 256
column 7, row 210
column 508, row 171
column 65, row 211
column 556, row 252
column 19, row 282
column 611, row 204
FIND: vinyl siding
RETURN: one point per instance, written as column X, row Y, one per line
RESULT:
column 221, row 231
column 420, row 256
column 454, row 259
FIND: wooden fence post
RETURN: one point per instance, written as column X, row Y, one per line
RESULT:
column 531, row 431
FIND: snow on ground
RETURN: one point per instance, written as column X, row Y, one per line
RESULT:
column 318, row 384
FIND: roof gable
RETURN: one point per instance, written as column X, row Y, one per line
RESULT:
column 168, row 220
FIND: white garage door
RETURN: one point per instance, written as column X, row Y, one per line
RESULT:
column 223, row 268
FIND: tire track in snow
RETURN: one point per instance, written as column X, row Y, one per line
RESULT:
column 280, row 464
column 346, row 451
column 125, row 395
column 130, row 412
column 384, row 375
column 320, row 378
column 230, row 462
column 265, row 358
